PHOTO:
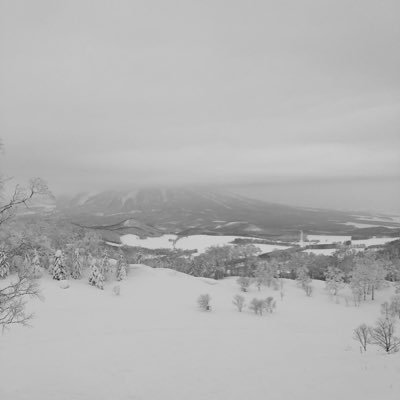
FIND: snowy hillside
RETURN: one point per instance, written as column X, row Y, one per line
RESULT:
column 152, row 342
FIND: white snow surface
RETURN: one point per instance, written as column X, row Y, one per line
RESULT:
column 375, row 241
column 325, row 252
column 327, row 239
column 152, row 342
column 199, row 242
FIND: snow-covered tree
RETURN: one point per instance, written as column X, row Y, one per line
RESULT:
column 96, row 278
column 105, row 265
column 76, row 265
column 59, row 270
column 265, row 274
column 395, row 305
column 367, row 276
column 4, row 265
column 27, row 265
column 362, row 335
column 334, row 280
column 304, row 280
column 36, row 268
column 383, row 335
column 244, row 283
column 121, row 268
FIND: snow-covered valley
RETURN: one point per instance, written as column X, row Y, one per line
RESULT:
column 152, row 342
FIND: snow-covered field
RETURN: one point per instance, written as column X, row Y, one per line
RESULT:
column 327, row 239
column 325, row 252
column 374, row 241
column 199, row 242
column 153, row 343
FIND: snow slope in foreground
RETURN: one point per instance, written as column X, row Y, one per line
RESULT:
column 153, row 343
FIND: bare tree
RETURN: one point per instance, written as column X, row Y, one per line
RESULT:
column 362, row 335
column 368, row 275
column 383, row 335
column 13, row 297
column 308, row 288
column 261, row 305
column 22, row 196
column 238, row 301
column 13, row 300
column 257, row 305
column 304, row 280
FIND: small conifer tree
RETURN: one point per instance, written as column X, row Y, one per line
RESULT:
column 59, row 270
column 121, row 270
column 76, row 265
column 96, row 278
column 105, row 266
column 36, row 268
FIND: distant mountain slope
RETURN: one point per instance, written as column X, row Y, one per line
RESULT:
column 186, row 211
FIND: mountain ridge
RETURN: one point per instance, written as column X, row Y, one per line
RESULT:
column 188, row 211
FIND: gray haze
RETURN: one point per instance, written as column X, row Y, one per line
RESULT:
column 292, row 101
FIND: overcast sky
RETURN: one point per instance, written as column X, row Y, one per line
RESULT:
column 102, row 94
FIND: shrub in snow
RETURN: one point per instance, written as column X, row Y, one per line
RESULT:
column 261, row 305
column 383, row 335
column 116, row 290
column 204, row 302
column 362, row 335
column 4, row 265
column 76, row 265
column 96, row 278
column 64, row 284
column 244, row 283
column 121, row 268
column 59, row 270
column 308, row 289
column 238, row 301
column 270, row 304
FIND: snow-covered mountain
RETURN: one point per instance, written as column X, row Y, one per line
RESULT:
column 186, row 211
